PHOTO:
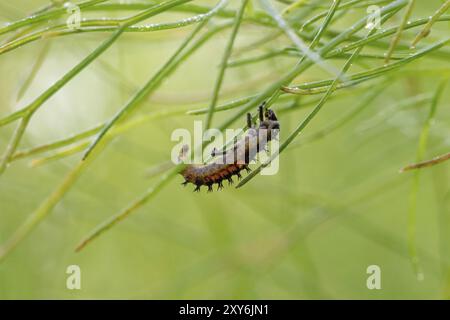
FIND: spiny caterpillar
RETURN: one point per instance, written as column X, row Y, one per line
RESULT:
column 237, row 158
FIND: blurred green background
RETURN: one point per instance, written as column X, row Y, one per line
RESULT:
column 336, row 206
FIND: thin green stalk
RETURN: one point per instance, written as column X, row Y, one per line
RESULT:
column 307, row 120
column 412, row 211
column 128, row 124
column 132, row 123
column 318, row 90
column 43, row 16
column 361, row 106
column 91, row 57
column 226, row 106
column 48, row 204
column 186, row 8
column 306, row 88
column 60, row 154
column 300, row 127
column 150, row 86
column 427, row 28
column 224, row 62
column 295, row 5
column 20, row 154
column 34, row 70
column 33, row 106
column 347, row 5
column 14, row 142
column 387, row 113
column 110, row 25
column 398, row 34
column 27, row 112
column 274, row 88
column 42, row 211
column 241, row 101
column 151, row 193
column 306, row 50
column 375, row 72
column 257, row 43
column 380, row 35
column 274, row 92
column 288, row 52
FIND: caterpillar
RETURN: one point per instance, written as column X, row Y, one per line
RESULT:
column 232, row 161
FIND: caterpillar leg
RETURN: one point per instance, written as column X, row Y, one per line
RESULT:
column 261, row 113
column 216, row 152
column 249, row 120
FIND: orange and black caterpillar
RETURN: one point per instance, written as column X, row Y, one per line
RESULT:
column 237, row 158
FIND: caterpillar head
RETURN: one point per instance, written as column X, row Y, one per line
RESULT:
column 271, row 121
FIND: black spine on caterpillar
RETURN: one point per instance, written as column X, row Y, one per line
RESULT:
column 234, row 160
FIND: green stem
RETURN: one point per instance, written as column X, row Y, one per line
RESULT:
column 148, row 87
column 48, row 204
column 380, row 35
column 412, row 212
column 224, row 62
column 427, row 28
column 308, row 119
column 110, row 25
column 347, row 5
column 28, row 111
column 301, row 46
column 41, row 212
column 14, row 142
column 375, row 72
column 306, row 88
column 89, row 133
column 109, row 223
column 44, row 15
column 365, row 102
column 398, row 34
column 301, row 67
